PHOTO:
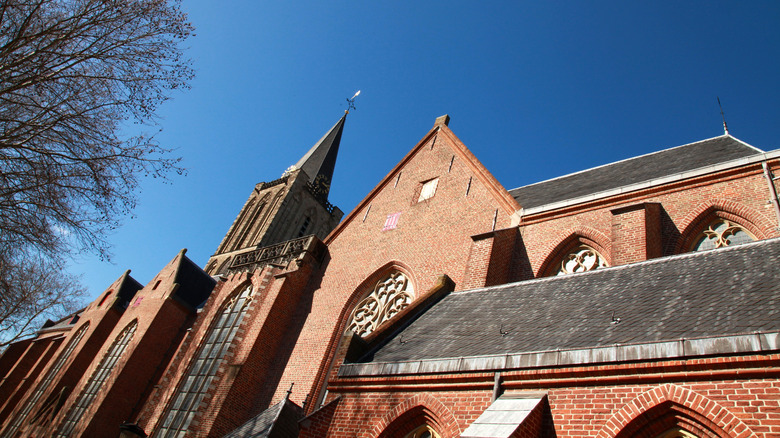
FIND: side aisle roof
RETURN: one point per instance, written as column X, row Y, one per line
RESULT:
column 634, row 170
column 724, row 292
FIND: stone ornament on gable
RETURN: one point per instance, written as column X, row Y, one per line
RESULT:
column 390, row 295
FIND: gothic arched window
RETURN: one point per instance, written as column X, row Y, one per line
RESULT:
column 97, row 379
column 582, row 258
column 720, row 233
column 204, row 366
column 390, row 295
column 46, row 382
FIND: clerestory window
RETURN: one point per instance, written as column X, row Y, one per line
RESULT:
column 721, row 233
column 581, row 259
column 424, row 431
column 390, row 295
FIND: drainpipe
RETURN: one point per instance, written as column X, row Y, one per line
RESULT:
column 772, row 191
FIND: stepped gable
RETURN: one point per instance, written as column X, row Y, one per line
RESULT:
column 728, row 291
column 634, row 170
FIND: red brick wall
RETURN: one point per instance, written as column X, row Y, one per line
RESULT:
column 24, row 385
column 730, row 396
column 432, row 237
column 248, row 378
column 161, row 323
column 626, row 228
column 101, row 321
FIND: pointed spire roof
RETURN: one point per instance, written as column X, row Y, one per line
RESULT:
column 320, row 161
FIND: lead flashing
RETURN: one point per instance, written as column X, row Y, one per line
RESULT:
column 676, row 349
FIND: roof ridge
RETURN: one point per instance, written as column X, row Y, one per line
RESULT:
column 657, row 260
column 634, row 158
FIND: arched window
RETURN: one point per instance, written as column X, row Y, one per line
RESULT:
column 423, row 431
column 390, row 295
column 46, row 382
column 204, row 366
column 720, row 233
column 582, row 258
column 96, row 380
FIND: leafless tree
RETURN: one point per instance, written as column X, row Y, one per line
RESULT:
column 32, row 290
column 75, row 75
column 80, row 83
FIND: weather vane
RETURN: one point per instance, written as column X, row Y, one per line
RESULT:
column 351, row 101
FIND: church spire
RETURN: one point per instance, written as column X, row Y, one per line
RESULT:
column 319, row 162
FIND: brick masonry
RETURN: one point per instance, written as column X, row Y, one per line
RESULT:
column 471, row 231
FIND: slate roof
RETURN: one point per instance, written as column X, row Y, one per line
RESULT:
column 280, row 420
column 728, row 291
column 320, row 160
column 634, row 170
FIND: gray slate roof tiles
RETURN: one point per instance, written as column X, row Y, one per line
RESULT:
column 728, row 291
column 634, row 170
column 279, row 420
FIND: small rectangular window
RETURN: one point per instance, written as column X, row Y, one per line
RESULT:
column 428, row 189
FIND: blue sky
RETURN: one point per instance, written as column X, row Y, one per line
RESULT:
column 535, row 89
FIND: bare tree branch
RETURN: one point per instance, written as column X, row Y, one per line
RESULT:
column 74, row 74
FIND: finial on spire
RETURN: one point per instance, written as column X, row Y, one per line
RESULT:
column 289, row 391
column 351, row 102
column 725, row 127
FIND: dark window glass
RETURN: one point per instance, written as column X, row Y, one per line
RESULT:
column 203, row 368
column 45, row 383
column 96, row 380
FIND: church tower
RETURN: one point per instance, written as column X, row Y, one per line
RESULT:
column 290, row 207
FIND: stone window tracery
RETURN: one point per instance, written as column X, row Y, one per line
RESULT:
column 581, row 259
column 721, row 233
column 390, row 295
column 423, row 431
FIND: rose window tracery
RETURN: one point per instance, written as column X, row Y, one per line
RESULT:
column 581, row 259
column 390, row 295
column 722, row 233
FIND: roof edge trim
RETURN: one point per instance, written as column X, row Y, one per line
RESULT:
column 764, row 156
column 756, row 342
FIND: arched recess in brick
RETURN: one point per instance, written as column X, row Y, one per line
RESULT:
column 414, row 412
column 670, row 406
column 575, row 237
column 360, row 292
column 224, row 266
column 195, row 389
column 380, row 297
column 705, row 213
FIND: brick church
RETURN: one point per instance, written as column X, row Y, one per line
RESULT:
column 638, row 298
